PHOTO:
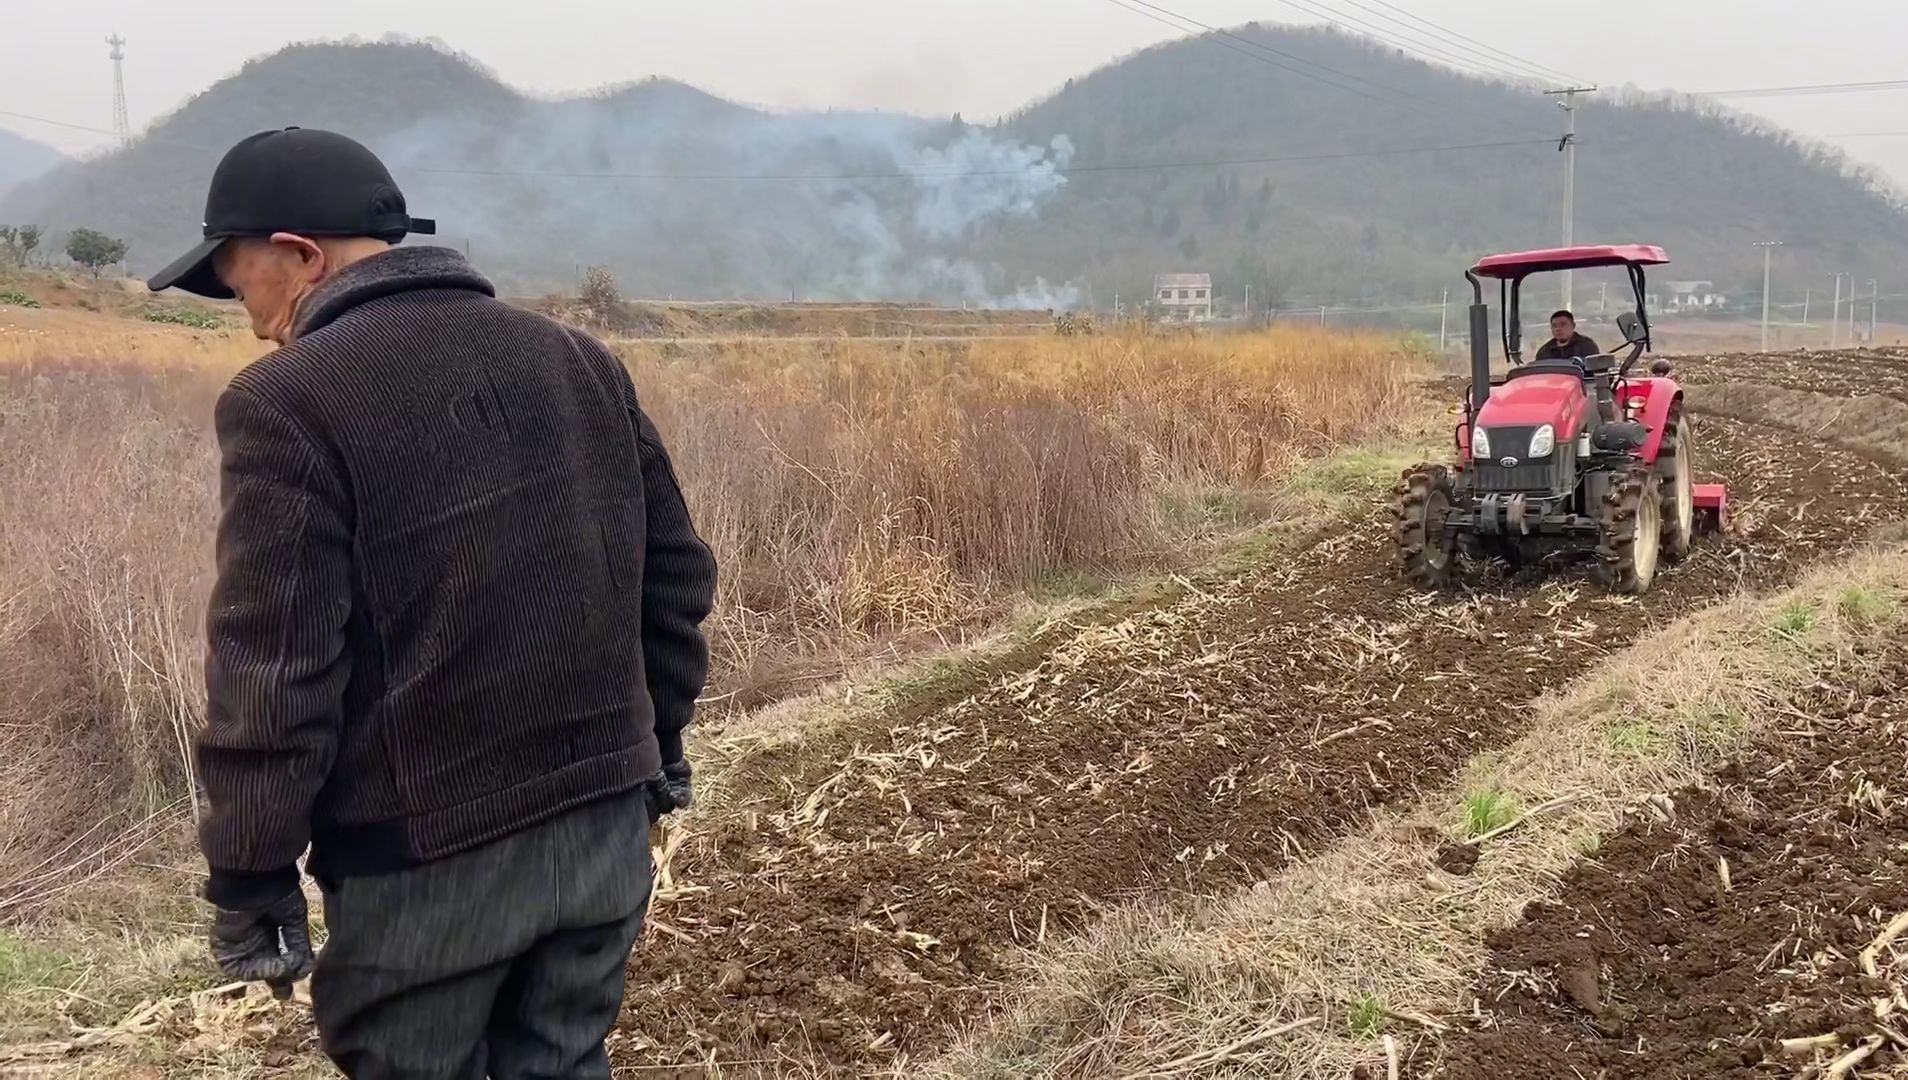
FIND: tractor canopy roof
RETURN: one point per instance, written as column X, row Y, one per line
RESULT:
column 1521, row 263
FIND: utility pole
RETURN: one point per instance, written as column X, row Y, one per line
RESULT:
column 1603, row 299
column 122, row 127
column 1568, row 145
column 1444, row 319
column 1851, row 310
column 1768, row 249
column 1248, row 302
column 1807, row 295
column 1835, row 319
column 1874, row 302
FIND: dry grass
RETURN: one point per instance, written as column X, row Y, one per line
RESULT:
column 866, row 490
column 1367, row 936
column 857, row 495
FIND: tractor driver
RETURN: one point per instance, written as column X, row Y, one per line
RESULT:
column 1565, row 343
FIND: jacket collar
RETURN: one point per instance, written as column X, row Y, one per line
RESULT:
column 400, row 269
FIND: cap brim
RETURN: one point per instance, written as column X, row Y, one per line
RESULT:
column 192, row 272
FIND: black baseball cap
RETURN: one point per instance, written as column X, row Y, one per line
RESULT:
column 296, row 180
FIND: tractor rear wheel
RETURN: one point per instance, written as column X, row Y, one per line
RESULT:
column 1630, row 532
column 1675, row 463
column 1423, row 500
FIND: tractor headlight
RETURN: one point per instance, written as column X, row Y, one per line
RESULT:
column 1543, row 441
column 1480, row 442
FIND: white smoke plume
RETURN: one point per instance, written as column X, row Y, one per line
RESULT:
column 681, row 194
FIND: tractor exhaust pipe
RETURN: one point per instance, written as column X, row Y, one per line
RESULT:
column 1480, row 344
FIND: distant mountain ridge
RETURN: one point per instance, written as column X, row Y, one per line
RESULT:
column 1181, row 156
column 22, row 158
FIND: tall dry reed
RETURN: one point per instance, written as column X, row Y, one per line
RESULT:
column 853, row 492
column 862, row 488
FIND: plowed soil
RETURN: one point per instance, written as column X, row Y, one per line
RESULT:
column 1651, row 964
column 1844, row 374
column 872, row 886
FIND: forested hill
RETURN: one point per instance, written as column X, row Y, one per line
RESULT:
column 22, row 158
column 1186, row 156
column 1401, row 223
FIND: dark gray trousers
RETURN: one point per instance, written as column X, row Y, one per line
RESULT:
column 504, row 961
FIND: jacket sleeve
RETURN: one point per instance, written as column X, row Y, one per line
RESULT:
column 276, row 664
column 679, row 577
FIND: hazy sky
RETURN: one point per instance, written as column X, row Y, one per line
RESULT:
column 978, row 57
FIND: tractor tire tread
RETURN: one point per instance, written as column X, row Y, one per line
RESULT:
column 1410, row 531
column 1676, row 539
column 1616, row 535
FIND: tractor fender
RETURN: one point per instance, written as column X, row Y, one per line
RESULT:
column 1659, row 395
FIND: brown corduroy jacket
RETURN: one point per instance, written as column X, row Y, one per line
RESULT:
column 458, row 588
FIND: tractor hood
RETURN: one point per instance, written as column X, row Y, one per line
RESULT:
column 1529, row 401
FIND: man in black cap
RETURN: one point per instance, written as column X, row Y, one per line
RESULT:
column 454, row 639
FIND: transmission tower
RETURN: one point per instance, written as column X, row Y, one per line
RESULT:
column 122, row 127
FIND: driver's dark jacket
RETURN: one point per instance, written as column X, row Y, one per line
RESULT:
column 1578, row 346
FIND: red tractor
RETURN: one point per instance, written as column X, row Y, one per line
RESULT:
column 1561, row 456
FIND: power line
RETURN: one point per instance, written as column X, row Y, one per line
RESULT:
column 1356, row 25
column 1414, row 100
column 1803, row 91
column 1548, row 71
column 1497, row 65
column 1403, row 96
column 1257, row 51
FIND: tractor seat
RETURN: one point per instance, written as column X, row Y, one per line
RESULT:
column 1547, row 367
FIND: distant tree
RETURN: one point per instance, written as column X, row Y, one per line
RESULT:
column 94, row 250
column 10, row 243
column 599, row 295
column 29, row 239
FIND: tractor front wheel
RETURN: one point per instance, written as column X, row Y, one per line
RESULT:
column 1423, row 500
column 1630, row 532
column 1676, row 464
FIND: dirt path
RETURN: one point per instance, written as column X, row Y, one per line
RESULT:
column 868, row 898
column 1650, row 965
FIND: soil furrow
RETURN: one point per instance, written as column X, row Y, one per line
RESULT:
column 1693, row 948
column 859, row 903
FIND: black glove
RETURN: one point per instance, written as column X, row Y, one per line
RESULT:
column 270, row 944
column 671, row 789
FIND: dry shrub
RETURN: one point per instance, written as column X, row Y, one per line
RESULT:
column 865, row 489
column 854, row 493
column 106, row 488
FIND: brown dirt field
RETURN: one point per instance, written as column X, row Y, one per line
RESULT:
column 875, row 884
column 1845, row 373
column 1647, row 965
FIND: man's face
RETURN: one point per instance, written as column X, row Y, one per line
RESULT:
column 1561, row 328
column 271, row 277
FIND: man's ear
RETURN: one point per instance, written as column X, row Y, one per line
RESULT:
column 311, row 257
